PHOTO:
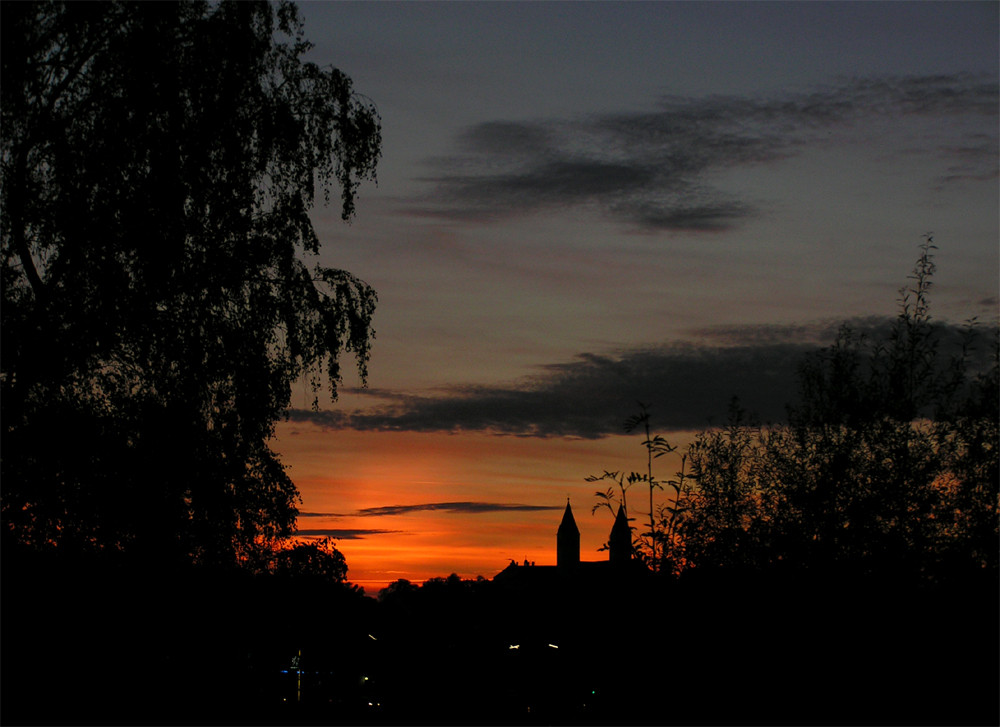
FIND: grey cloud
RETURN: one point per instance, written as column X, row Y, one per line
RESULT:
column 648, row 170
column 705, row 217
column 454, row 507
column 962, row 175
column 328, row 419
column 506, row 138
column 688, row 386
column 591, row 395
column 818, row 333
column 556, row 182
column 975, row 160
column 961, row 93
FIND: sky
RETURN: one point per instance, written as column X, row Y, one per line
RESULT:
column 585, row 205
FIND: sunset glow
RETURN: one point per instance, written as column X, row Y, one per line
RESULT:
column 480, row 474
column 675, row 216
column 500, row 362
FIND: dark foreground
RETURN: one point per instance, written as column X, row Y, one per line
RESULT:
column 117, row 646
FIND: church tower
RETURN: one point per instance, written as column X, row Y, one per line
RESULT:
column 620, row 540
column 568, row 541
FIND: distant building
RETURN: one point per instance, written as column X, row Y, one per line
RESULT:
column 620, row 540
column 569, row 569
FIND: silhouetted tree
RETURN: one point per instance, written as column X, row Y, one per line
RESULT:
column 656, row 446
column 159, row 161
column 729, row 511
column 399, row 590
column 318, row 559
column 887, row 464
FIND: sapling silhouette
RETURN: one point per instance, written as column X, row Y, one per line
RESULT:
column 670, row 518
column 656, row 446
column 650, row 546
column 609, row 499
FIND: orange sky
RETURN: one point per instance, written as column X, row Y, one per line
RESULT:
column 406, row 469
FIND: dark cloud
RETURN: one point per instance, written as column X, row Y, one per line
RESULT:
column 589, row 396
column 327, row 419
column 976, row 159
column 688, row 386
column 349, row 534
column 819, row 333
column 706, row 217
column 504, row 137
column 649, row 169
column 454, row 507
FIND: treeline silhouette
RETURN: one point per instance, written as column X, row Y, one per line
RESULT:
column 886, row 466
column 88, row 640
column 841, row 566
column 112, row 646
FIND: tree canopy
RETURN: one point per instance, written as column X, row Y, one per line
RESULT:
column 159, row 162
column 886, row 465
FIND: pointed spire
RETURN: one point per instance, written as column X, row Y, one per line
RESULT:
column 620, row 539
column 568, row 521
column 568, row 540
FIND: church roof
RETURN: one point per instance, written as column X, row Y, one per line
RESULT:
column 621, row 528
column 568, row 524
column 620, row 568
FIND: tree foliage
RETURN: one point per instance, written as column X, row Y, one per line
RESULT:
column 159, row 161
column 887, row 464
column 318, row 560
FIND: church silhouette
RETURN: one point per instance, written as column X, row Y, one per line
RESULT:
column 569, row 569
